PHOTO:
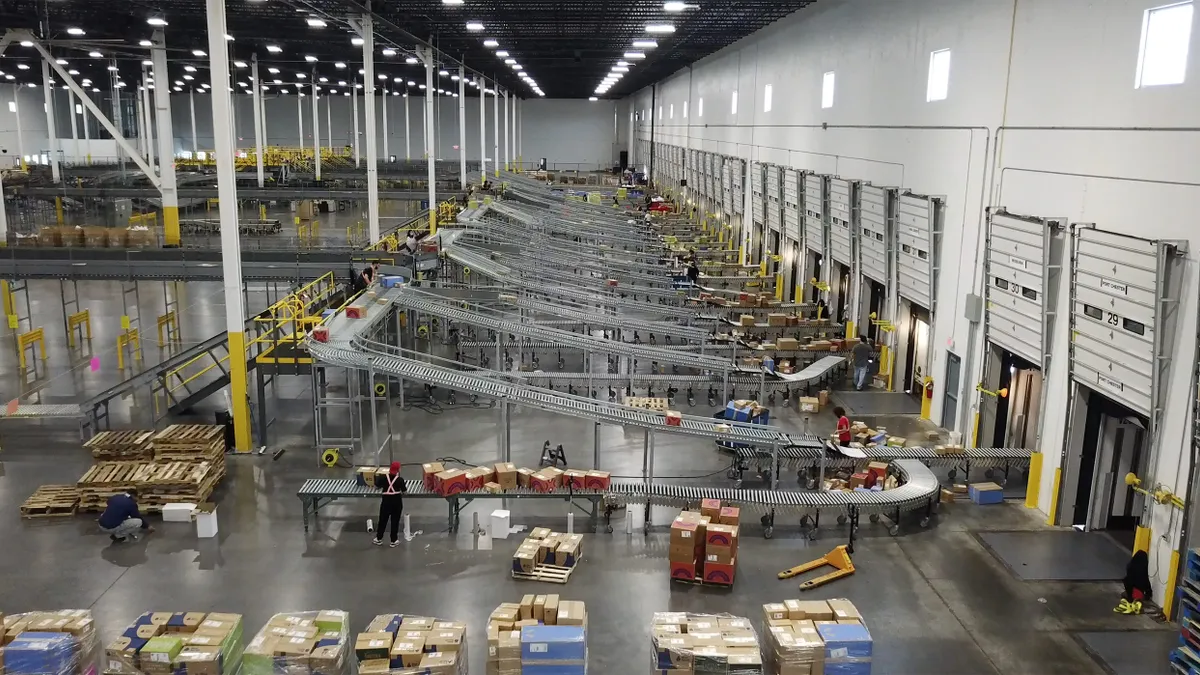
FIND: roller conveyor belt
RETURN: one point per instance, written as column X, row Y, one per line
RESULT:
column 807, row 456
column 624, row 323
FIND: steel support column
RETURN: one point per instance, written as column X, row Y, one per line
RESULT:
column 196, row 139
column 496, row 131
column 462, row 127
column 507, row 155
column 367, row 32
column 299, row 117
column 482, row 84
column 258, row 120
column 74, row 125
column 3, row 217
column 316, row 126
column 20, row 135
column 429, row 130
column 231, row 252
column 166, row 138
column 407, row 134
column 354, row 113
column 48, row 94
column 387, row 157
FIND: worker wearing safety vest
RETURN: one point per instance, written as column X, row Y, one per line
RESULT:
column 391, row 504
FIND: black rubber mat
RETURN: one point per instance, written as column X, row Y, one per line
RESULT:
column 878, row 402
column 1058, row 555
column 1133, row 652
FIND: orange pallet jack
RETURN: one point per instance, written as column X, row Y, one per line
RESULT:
column 838, row 559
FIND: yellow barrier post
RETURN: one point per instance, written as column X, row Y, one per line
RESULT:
column 79, row 322
column 128, row 340
column 27, row 342
column 1033, row 486
column 58, row 211
column 168, row 329
column 171, row 235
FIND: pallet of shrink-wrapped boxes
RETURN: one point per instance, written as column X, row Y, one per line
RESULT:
column 60, row 642
column 547, row 556
column 684, row 643
column 540, row 635
column 815, row 637
column 178, row 643
column 300, row 643
column 401, row 644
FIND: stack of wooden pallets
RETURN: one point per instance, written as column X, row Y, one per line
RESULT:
column 191, row 443
column 51, row 500
column 157, row 483
column 125, row 444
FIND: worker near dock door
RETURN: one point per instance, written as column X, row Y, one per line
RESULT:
column 862, row 362
column 121, row 520
column 391, row 504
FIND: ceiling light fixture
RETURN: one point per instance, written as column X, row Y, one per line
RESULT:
column 22, row 66
column 410, row 83
column 145, row 43
column 341, row 83
column 229, row 37
column 278, row 81
column 510, row 61
column 645, row 44
column 301, row 76
column 310, row 58
column 95, row 55
column 177, row 88
column 323, row 79
column 339, row 65
column 443, row 73
column 474, row 26
column 273, row 71
column 75, row 31
column 198, row 52
column 491, row 43
column 274, row 49
column 190, row 69
column 389, row 52
column 382, row 76
column 189, row 78
column 356, row 41
column 674, row 6
column 501, row 54
column 145, row 62
column 620, row 69
column 361, row 71
column 239, row 64
column 635, row 55
column 411, row 60
column 314, row 22
column 61, row 62
column 452, row 2
column 156, row 21
column 664, row 28
column 72, row 72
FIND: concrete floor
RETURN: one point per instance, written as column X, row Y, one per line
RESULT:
column 936, row 599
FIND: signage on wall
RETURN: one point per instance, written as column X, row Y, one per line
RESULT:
column 1109, row 382
column 1113, row 286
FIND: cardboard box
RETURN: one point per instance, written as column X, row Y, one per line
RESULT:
column 858, row 480
column 686, row 543
column 325, row 660
column 525, row 559
column 406, row 653
column 776, row 319
column 550, row 610
column 446, row 640
column 479, row 475
column 598, row 480
column 785, row 344
column 325, row 621
column 710, row 508
column 540, row 533
column 729, row 515
column 571, row 613
column 878, row 469
column 688, row 570
column 543, row 481
column 813, row 610
column 674, row 418
column 199, row 661
column 949, row 449
column 985, row 493
column 844, row 609
column 371, row 646
column 720, row 536
column 720, row 573
column 810, row 404
column 526, row 607
column 493, row 488
column 524, row 476
column 567, row 554
column 575, row 479
column 451, row 482
column 296, row 646
column 374, row 667
column 506, row 475
column 416, row 623
column 429, row 472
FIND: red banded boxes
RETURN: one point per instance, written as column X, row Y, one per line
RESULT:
column 451, row 482
column 429, row 472
column 478, row 476
column 575, row 479
column 720, row 553
column 686, row 553
column 598, row 480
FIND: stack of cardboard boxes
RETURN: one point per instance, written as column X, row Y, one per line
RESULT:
column 704, row 644
column 501, row 477
column 49, row 643
column 395, row 644
column 542, row 634
column 815, row 637
column 300, row 643
column 178, row 643
column 704, row 544
column 544, row 547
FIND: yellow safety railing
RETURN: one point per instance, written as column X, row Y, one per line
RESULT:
column 272, row 155
column 27, row 342
column 147, row 219
column 168, row 329
column 128, row 340
column 80, row 322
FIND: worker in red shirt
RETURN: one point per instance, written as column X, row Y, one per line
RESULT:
column 843, row 427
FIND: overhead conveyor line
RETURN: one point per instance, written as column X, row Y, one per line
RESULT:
column 432, row 305
column 582, row 314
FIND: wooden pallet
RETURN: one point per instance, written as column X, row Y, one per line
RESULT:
column 698, row 581
column 189, row 441
column 157, row 483
column 51, row 501
column 553, row 574
column 126, row 444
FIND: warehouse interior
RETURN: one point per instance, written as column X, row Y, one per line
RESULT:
column 595, row 277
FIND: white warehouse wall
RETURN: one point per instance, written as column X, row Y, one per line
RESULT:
column 1014, row 64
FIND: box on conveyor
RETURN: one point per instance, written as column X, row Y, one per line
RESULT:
column 985, row 493
column 703, row 644
column 508, row 622
column 415, row 645
column 300, row 643
column 815, row 637
column 178, row 643
column 61, row 642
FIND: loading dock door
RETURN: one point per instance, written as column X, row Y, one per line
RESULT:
column 876, row 214
column 843, row 195
column 816, row 193
column 758, row 198
column 791, row 204
column 1119, row 334
column 774, row 204
column 1024, row 259
column 918, row 233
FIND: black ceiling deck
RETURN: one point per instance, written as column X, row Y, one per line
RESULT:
column 566, row 46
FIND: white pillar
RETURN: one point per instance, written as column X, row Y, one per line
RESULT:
column 482, row 128
column 407, row 133
column 425, row 117
column 87, row 132
column 429, row 127
column 520, row 154
column 368, row 36
column 383, row 109
column 462, row 126
column 258, row 119
column 329, row 120
column 149, row 117
column 300, row 117
column 3, row 215
column 231, row 254
column 20, row 134
column 166, row 138
column 195, row 139
column 74, row 125
column 316, row 133
column 140, row 117
column 354, row 112
column 53, row 132
column 496, row 130
column 507, row 154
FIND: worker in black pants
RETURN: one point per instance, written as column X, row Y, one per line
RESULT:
column 391, row 505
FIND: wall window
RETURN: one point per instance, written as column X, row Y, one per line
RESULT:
column 827, row 90
column 700, row 107
column 671, row 112
column 767, row 98
column 660, row 112
column 12, row 106
column 939, row 76
column 685, row 110
column 733, row 106
column 1162, row 58
column 78, row 109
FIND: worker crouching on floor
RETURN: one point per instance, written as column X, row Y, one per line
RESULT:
column 391, row 505
column 121, row 520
